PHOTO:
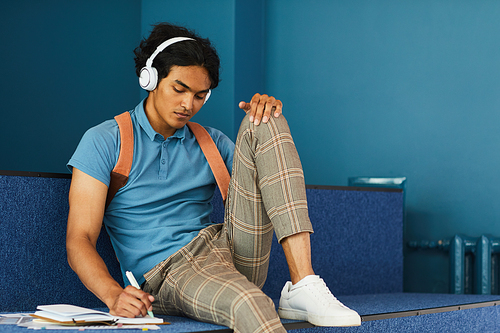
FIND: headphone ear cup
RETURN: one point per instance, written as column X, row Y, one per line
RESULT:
column 148, row 78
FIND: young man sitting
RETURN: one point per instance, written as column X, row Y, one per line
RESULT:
column 159, row 221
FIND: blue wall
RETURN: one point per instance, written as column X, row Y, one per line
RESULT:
column 66, row 66
column 370, row 88
column 397, row 88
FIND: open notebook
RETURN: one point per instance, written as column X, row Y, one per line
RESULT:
column 75, row 315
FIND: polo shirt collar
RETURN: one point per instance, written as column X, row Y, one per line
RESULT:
column 143, row 121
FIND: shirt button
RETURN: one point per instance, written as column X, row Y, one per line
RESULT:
column 162, row 161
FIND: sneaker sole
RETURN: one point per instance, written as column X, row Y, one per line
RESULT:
column 345, row 321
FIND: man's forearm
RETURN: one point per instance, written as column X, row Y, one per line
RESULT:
column 92, row 271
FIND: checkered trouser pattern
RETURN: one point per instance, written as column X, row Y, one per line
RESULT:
column 217, row 277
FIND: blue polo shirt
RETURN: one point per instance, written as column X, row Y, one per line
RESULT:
column 167, row 199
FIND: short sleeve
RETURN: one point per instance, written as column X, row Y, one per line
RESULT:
column 97, row 152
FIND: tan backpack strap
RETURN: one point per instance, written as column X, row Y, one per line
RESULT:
column 119, row 175
column 121, row 171
column 213, row 156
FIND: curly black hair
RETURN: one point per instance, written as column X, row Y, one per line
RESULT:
column 199, row 52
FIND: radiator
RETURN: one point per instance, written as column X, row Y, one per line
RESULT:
column 474, row 263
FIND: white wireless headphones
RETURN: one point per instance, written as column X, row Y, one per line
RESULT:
column 148, row 78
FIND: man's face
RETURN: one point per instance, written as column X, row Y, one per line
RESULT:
column 177, row 98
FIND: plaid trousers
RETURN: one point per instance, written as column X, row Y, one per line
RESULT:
column 217, row 277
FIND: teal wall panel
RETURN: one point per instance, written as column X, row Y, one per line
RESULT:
column 249, row 74
column 66, row 66
column 397, row 88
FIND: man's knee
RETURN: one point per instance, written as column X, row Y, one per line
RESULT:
column 274, row 126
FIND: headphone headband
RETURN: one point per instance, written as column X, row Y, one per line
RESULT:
column 163, row 46
column 148, row 78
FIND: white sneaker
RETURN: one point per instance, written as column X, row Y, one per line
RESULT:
column 311, row 300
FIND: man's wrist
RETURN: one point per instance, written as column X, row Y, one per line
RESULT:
column 112, row 295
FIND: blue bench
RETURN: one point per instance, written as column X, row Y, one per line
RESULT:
column 356, row 247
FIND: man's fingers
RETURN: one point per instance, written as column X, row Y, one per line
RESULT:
column 132, row 302
column 279, row 109
column 254, row 107
column 269, row 107
column 244, row 106
column 260, row 103
column 143, row 300
column 261, row 108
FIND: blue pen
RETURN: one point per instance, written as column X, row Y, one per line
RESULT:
column 134, row 283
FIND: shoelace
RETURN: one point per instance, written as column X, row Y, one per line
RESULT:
column 323, row 294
